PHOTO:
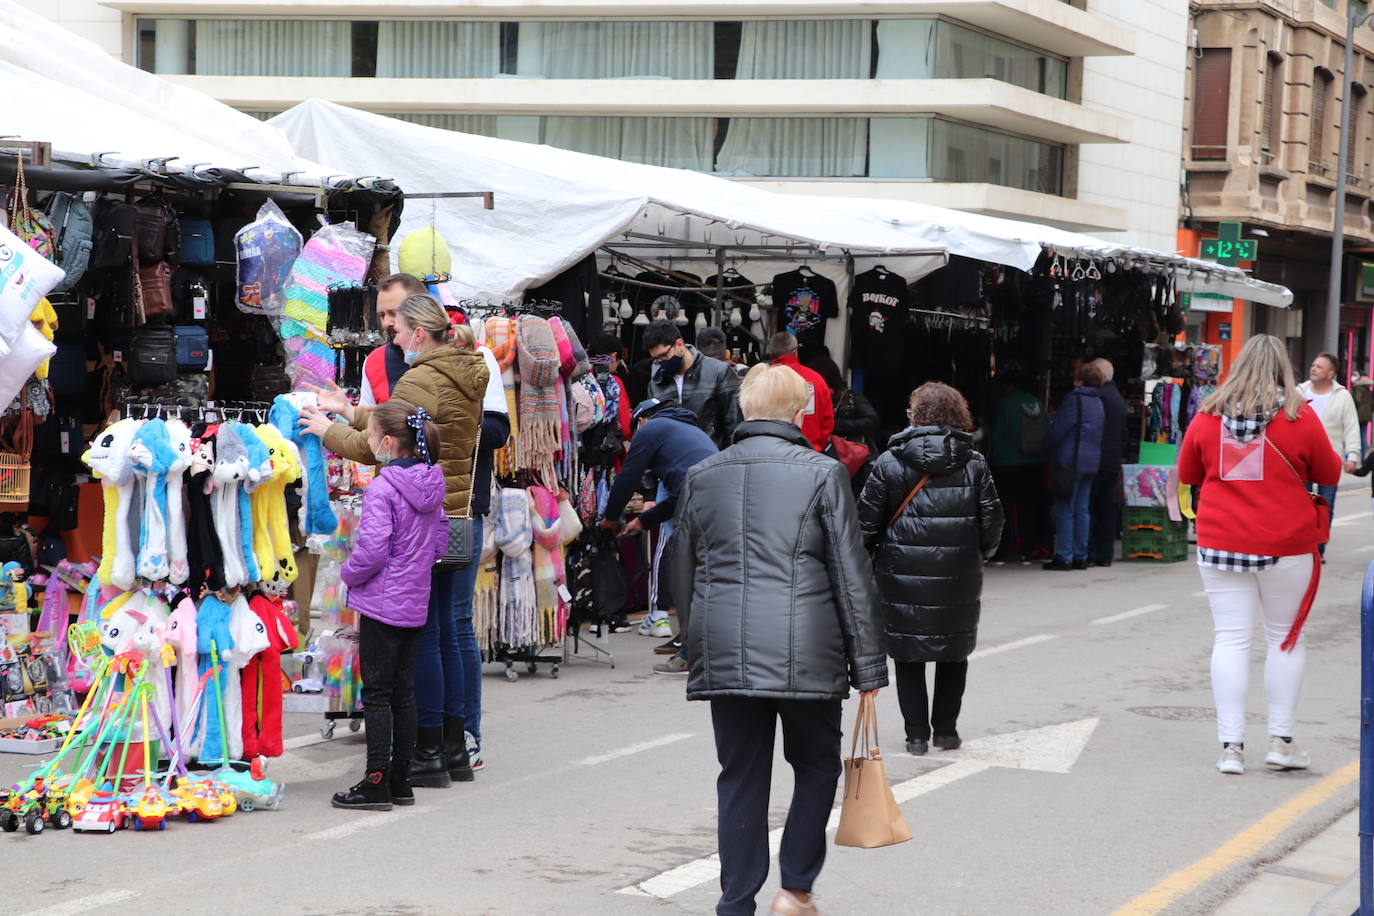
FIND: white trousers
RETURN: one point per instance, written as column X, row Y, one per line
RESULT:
column 1237, row 598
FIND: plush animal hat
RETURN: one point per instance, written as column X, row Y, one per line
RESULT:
column 180, row 634
column 275, row 551
column 259, row 471
column 153, row 457
column 316, row 515
column 231, row 470
column 250, row 638
column 109, row 458
column 262, row 679
column 179, row 436
column 212, row 631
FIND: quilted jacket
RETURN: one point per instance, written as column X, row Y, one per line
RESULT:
column 400, row 535
column 929, row 563
column 771, row 574
column 448, row 382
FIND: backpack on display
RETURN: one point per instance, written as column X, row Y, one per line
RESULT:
column 193, row 348
column 156, row 232
column 112, row 236
column 71, row 220
column 34, row 228
column 152, row 355
column 197, row 242
column 1035, row 426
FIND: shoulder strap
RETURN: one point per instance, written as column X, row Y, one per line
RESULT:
column 1285, row 460
column 920, row 484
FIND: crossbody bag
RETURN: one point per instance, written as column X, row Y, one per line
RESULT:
column 461, row 550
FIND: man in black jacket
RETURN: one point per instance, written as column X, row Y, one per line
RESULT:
column 1102, row 503
column 782, row 620
column 707, row 387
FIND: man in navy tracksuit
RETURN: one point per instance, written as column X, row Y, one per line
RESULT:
column 667, row 443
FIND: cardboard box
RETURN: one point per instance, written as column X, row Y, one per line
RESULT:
column 24, row 746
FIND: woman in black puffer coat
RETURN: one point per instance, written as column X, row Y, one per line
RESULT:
column 928, row 562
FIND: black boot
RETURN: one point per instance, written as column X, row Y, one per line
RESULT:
column 372, row 794
column 401, row 792
column 456, row 750
column 429, row 769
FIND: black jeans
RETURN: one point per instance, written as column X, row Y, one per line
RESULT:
column 744, row 728
column 920, row 717
column 387, row 656
column 1103, row 510
column 1022, row 491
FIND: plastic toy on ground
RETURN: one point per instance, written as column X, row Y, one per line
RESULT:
column 104, row 813
column 149, row 810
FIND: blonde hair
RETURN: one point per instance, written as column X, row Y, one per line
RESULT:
column 773, row 392
column 424, row 311
column 1261, row 378
column 463, row 337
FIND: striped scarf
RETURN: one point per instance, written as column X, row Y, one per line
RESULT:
column 549, row 569
column 539, row 409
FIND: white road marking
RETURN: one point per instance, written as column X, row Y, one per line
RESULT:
column 1201, row 594
column 84, row 904
column 1052, row 749
column 1365, row 549
column 1351, row 519
column 1127, row 615
column 632, row 749
column 1015, row 644
column 366, row 823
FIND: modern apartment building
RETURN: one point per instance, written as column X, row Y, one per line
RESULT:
column 1262, row 136
column 1068, row 113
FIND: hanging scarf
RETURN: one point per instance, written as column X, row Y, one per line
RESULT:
column 549, row 569
column 501, row 341
column 517, row 599
column 566, row 360
column 540, row 410
column 581, row 363
column 486, row 594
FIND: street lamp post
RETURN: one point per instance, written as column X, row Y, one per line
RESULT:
column 1331, row 339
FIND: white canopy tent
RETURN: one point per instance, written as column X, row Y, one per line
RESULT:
column 61, row 89
column 554, row 206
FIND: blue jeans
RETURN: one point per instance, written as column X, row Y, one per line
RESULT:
column 1071, row 522
column 469, row 656
column 441, row 670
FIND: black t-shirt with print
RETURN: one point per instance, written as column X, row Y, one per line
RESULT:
column 804, row 302
column 878, row 306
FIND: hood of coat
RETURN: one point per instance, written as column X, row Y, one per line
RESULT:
column 421, row 485
column 680, row 414
column 453, row 363
column 933, row 450
column 776, row 428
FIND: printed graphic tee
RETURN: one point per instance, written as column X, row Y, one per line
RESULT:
column 804, row 304
column 878, row 306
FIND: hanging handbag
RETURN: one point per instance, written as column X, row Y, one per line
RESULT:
column 461, row 549
column 33, row 227
column 1323, row 511
column 869, row 816
column 1063, row 481
column 849, row 453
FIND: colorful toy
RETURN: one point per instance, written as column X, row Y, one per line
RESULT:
column 197, row 801
column 109, row 458
column 104, row 813
column 249, row 638
column 272, row 534
column 212, row 632
column 12, row 574
column 251, row 788
column 35, row 807
column 262, row 703
column 149, row 810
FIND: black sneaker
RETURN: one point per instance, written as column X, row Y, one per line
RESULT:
column 671, row 647
column 1056, row 566
column 372, row 794
column 620, row 625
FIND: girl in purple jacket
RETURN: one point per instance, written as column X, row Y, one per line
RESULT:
column 401, row 534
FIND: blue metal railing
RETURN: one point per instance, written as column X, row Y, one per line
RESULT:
column 1367, row 745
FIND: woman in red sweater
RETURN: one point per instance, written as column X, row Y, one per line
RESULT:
column 1253, row 448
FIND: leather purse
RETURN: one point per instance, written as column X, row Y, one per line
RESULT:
column 869, row 816
column 460, row 551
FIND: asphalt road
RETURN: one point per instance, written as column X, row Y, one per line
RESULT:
column 598, row 796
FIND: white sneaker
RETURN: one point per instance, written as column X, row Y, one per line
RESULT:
column 1231, row 761
column 657, row 627
column 1286, row 755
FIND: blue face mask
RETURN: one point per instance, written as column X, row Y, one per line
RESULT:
column 409, row 356
column 381, row 458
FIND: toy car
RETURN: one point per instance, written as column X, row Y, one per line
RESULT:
column 252, row 792
column 103, row 813
column 197, row 802
column 36, row 808
column 149, row 810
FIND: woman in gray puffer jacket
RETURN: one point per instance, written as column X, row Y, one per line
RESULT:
column 928, row 555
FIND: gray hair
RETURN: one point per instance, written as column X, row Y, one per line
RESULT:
column 1105, row 366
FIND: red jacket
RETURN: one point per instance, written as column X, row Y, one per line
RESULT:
column 1270, row 517
column 817, row 425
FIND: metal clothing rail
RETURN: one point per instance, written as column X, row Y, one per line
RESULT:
column 957, row 316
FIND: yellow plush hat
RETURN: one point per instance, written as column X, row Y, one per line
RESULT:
column 424, row 253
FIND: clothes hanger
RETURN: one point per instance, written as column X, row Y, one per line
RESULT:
column 806, row 271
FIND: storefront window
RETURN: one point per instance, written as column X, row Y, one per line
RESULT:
column 786, row 49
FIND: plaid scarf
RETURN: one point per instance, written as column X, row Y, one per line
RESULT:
column 1248, row 429
column 549, row 569
column 540, row 409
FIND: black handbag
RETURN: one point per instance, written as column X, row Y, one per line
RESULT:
column 1063, row 481
column 461, row 552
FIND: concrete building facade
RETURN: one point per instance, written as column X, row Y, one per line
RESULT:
column 1063, row 112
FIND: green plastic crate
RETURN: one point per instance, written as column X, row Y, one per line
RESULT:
column 1155, row 546
column 1140, row 518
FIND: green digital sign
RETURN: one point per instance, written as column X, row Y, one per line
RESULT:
column 1229, row 248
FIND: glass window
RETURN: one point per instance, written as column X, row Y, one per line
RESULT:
column 919, row 48
column 902, row 148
